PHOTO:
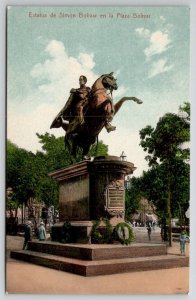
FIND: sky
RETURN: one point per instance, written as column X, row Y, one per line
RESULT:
column 48, row 48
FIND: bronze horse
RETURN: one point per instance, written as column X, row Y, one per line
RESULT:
column 99, row 111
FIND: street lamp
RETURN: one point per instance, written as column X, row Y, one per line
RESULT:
column 123, row 156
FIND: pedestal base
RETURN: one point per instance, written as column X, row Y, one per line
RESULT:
column 79, row 232
column 91, row 190
column 93, row 260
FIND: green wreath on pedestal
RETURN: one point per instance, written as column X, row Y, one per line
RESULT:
column 121, row 235
column 102, row 238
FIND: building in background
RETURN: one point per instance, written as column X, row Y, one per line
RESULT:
column 146, row 215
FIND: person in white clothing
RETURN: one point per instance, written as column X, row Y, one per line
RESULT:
column 41, row 232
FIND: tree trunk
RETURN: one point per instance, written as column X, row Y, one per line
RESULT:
column 169, row 218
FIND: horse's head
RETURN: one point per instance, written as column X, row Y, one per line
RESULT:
column 109, row 82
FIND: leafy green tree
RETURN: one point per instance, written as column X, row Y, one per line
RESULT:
column 99, row 149
column 55, row 156
column 164, row 146
column 164, row 142
column 21, row 173
column 27, row 173
column 12, row 204
column 57, row 153
column 153, row 185
column 133, row 195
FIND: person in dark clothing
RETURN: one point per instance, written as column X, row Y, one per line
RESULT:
column 149, row 229
column 27, row 234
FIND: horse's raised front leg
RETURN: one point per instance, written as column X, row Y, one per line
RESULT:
column 135, row 99
column 118, row 105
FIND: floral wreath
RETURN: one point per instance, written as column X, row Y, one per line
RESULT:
column 96, row 235
column 120, row 236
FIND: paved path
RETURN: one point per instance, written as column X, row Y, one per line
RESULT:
column 41, row 280
column 141, row 235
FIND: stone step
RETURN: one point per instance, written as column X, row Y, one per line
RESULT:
column 98, row 251
column 146, row 240
column 101, row 267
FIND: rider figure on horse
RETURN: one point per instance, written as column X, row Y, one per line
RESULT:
column 74, row 108
column 87, row 111
column 77, row 102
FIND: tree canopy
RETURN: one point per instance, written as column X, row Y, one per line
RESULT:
column 153, row 184
column 27, row 173
column 167, row 181
column 165, row 142
column 21, row 172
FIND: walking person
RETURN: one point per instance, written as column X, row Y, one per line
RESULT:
column 41, row 232
column 149, row 229
column 183, row 239
column 153, row 225
column 27, row 234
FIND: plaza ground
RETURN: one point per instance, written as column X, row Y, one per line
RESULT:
column 26, row 278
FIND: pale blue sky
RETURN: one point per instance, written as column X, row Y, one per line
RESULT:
column 149, row 56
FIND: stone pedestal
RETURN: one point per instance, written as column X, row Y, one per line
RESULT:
column 91, row 190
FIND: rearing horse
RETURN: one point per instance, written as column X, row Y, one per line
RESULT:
column 99, row 113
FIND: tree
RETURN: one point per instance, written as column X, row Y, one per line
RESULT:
column 164, row 146
column 21, row 173
column 153, row 185
column 55, row 156
column 27, row 173
column 165, row 141
column 133, row 195
column 99, row 149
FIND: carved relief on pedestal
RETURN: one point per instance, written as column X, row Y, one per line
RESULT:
column 114, row 198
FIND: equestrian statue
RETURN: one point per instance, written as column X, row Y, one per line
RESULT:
column 87, row 111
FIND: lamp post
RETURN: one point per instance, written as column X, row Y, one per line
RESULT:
column 123, row 156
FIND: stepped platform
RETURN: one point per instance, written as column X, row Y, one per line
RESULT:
column 93, row 260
